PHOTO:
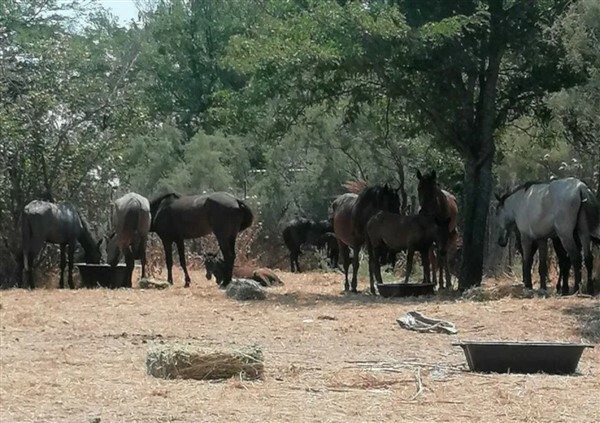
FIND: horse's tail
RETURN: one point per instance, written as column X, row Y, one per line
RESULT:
column 590, row 209
column 248, row 216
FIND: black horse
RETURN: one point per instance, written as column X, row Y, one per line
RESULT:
column 350, row 213
column 58, row 224
column 302, row 231
column 176, row 218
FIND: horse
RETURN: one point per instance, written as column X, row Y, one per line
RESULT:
column 453, row 255
column 58, row 224
column 131, row 218
column 563, row 208
column 350, row 213
column 442, row 206
column 302, row 231
column 398, row 233
column 215, row 266
column 176, row 218
column 330, row 245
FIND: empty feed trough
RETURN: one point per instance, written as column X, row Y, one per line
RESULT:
column 388, row 290
column 102, row 275
column 180, row 361
column 522, row 357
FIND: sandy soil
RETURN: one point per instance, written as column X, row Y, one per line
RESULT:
column 79, row 356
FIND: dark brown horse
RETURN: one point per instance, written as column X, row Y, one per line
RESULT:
column 350, row 213
column 399, row 233
column 443, row 207
column 302, row 231
column 58, row 224
column 176, row 218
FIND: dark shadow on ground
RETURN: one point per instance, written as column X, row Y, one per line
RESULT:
column 588, row 318
column 299, row 299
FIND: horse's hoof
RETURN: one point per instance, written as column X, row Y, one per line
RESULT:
column 187, row 285
column 354, row 291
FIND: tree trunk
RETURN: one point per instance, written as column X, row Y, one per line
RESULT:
column 477, row 190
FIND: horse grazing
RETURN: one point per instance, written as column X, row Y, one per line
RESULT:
column 215, row 266
column 398, row 233
column 443, row 207
column 58, row 224
column 176, row 218
column 350, row 213
column 301, row 231
column 131, row 218
column 565, row 209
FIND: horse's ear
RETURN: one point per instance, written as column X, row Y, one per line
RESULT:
column 433, row 175
column 419, row 176
column 497, row 196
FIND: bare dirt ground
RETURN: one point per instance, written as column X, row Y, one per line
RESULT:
column 79, row 356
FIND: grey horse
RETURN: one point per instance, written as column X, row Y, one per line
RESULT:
column 564, row 208
column 58, row 224
column 131, row 218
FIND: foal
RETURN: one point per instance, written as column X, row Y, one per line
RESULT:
column 397, row 233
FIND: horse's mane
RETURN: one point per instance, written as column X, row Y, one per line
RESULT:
column 156, row 201
column 355, row 187
column 524, row 186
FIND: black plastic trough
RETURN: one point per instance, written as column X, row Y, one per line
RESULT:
column 522, row 357
column 388, row 290
column 102, row 275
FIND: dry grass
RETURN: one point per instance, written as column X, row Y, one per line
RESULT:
column 188, row 361
column 72, row 356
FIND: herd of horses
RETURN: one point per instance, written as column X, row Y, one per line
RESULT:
column 369, row 217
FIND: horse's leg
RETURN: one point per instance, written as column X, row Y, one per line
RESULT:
column 227, row 246
column 345, row 251
column 168, row 247
column 143, row 243
column 564, row 264
column 291, row 261
column 29, row 271
column 129, row 264
column 425, row 262
column 231, row 258
column 409, row 264
column 527, row 248
column 371, row 267
column 433, row 263
column 542, row 247
column 70, row 257
column 574, row 253
column 181, row 250
column 589, row 264
column 63, row 264
column 297, row 260
column 355, row 264
column 378, row 252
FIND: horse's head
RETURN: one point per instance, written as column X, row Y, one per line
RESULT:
column 212, row 264
column 504, row 220
column 428, row 191
column 113, row 253
column 388, row 199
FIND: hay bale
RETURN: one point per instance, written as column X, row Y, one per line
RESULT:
column 178, row 361
column 245, row 289
column 149, row 283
